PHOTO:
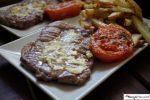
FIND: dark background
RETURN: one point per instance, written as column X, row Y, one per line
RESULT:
column 145, row 5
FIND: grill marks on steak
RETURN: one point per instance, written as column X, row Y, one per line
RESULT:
column 57, row 42
column 24, row 15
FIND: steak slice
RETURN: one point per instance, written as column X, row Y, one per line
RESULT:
column 60, row 53
column 23, row 15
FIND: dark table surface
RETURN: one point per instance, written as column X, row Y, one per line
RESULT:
column 132, row 78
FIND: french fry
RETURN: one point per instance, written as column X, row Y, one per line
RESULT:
column 136, row 38
column 106, row 1
column 102, row 10
column 83, row 13
column 121, row 3
column 85, row 24
column 90, row 12
column 142, row 28
column 89, row 6
column 97, row 23
column 122, row 9
column 114, row 15
column 135, row 7
column 127, row 22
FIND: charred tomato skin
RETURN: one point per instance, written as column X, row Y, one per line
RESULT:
column 111, row 43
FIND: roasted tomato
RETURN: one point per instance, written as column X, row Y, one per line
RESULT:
column 63, row 10
column 111, row 43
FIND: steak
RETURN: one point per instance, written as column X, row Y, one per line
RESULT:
column 23, row 15
column 60, row 53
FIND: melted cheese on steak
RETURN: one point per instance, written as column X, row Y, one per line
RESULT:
column 27, row 9
column 61, row 53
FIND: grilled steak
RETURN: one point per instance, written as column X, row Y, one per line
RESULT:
column 23, row 15
column 60, row 53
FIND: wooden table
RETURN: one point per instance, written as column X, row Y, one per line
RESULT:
column 133, row 77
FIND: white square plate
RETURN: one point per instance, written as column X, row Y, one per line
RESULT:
column 101, row 71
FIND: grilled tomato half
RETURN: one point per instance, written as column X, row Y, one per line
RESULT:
column 63, row 10
column 111, row 43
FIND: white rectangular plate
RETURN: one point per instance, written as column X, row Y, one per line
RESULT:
column 101, row 71
column 36, row 28
column 11, row 52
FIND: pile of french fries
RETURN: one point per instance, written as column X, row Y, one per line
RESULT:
column 126, row 13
